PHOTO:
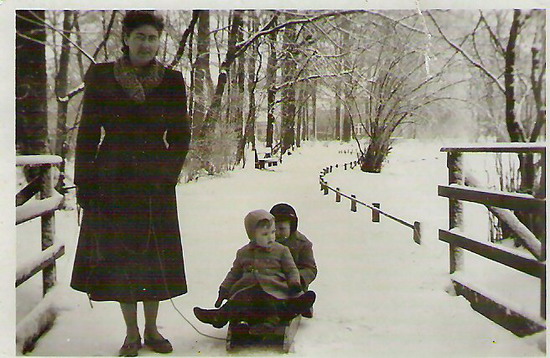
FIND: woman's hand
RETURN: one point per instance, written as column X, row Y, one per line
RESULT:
column 86, row 195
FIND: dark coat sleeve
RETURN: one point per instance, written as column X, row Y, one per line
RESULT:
column 178, row 129
column 306, row 264
column 289, row 268
column 88, row 138
column 234, row 274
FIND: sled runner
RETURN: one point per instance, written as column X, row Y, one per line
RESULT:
column 281, row 338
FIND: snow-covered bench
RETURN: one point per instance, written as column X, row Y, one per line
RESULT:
column 263, row 158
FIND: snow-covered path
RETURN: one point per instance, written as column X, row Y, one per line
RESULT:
column 379, row 294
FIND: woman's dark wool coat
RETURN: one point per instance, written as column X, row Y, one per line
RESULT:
column 128, row 159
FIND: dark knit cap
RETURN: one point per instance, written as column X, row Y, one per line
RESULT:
column 285, row 212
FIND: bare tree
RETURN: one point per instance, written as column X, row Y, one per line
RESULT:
column 507, row 49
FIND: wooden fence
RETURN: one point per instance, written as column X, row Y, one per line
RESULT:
column 375, row 207
column 41, row 318
column 457, row 193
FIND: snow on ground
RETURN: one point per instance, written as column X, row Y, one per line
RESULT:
column 379, row 294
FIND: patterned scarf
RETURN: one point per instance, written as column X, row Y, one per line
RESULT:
column 138, row 83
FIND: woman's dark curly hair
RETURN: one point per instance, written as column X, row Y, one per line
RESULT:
column 136, row 18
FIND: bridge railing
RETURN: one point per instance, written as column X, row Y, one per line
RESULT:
column 41, row 318
column 460, row 189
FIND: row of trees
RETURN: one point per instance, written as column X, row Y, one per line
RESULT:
column 374, row 72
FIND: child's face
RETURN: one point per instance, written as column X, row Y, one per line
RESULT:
column 282, row 229
column 265, row 235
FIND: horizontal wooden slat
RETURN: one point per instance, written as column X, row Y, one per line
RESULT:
column 498, row 148
column 36, row 208
column 36, row 323
column 47, row 258
column 28, row 191
column 499, row 199
column 512, row 320
column 492, row 252
column 37, row 160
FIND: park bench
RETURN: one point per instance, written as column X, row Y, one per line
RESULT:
column 262, row 158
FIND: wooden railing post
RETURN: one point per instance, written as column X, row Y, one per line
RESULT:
column 325, row 192
column 48, row 229
column 456, row 176
column 417, row 233
column 543, row 213
column 353, row 203
column 375, row 213
column 338, row 196
column 543, row 295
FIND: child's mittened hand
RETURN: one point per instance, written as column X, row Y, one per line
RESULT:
column 295, row 290
column 219, row 302
column 222, row 295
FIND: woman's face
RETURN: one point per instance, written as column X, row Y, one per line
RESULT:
column 143, row 43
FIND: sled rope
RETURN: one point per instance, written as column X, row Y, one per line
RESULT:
column 152, row 230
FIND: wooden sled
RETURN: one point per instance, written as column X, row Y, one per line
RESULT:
column 281, row 338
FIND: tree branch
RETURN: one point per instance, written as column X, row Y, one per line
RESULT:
column 492, row 35
column 312, row 77
column 41, row 22
column 268, row 28
column 467, row 57
column 107, row 34
column 184, row 37
column 399, row 22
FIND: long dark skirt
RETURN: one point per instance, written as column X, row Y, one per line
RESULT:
column 129, row 248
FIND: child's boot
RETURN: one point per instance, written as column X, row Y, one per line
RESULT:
column 308, row 313
column 215, row 317
column 302, row 303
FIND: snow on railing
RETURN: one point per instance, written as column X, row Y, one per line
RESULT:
column 38, row 263
column 516, row 147
column 375, row 207
column 35, row 160
column 35, row 208
column 42, row 316
column 36, row 322
column 463, row 186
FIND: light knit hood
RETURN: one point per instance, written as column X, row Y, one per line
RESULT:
column 252, row 219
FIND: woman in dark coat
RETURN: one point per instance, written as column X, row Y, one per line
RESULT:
column 132, row 142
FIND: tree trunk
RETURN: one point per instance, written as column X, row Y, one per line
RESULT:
column 337, row 116
column 79, row 43
column 61, row 84
column 305, row 122
column 346, row 120
column 250, row 126
column 288, row 107
column 271, row 77
column 200, row 70
column 239, row 102
column 31, row 107
column 214, row 111
column 299, row 116
column 314, row 110
column 527, row 167
column 373, row 159
column 31, row 83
